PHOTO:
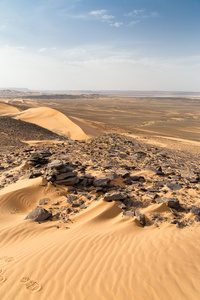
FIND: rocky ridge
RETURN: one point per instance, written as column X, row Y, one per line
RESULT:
column 151, row 185
column 13, row 132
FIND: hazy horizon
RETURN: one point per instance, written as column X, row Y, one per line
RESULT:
column 100, row 45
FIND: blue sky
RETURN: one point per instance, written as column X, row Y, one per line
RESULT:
column 100, row 45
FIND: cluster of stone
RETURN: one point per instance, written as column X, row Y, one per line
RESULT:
column 37, row 159
column 113, row 168
column 61, row 174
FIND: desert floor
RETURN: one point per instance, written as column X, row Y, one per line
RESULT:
column 116, row 185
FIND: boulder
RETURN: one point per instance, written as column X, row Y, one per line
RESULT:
column 140, row 217
column 114, row 196
column 171, row 202
column 39, row 214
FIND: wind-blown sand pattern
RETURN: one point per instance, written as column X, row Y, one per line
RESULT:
column 53, row 120
column 92, row 248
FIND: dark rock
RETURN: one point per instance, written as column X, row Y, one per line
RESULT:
column 101, row 182
column 69, row 181
column 56, row 203
column 44, row 201
column 66, row 175
column 50, row 178
column 35, row 174
column 45, row 153
column 197, row 218
column 195, row 210
column 174, row 221
column 137, row 178
column 174, row 186
column 83, row 206
column 66, row 169
column 75, row 204
column 37, row 159
column 68, row 210
column 39, row 214
column 129, row 214
column 122, row 206
column 112, row 176
column 129, row 203
column 57, row 215
column 127, row 181
column 123, row 173
column 140, row 217
column 116, row 196
column 71, row 198
column 55, row 164
column 160, row 171
column 171, row 202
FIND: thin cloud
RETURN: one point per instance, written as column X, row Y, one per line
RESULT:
column 102, row 15
column 98, row 12
column 138, row 15
column 116, row 24
column 135, row 12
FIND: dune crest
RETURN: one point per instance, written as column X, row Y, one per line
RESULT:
column 53, row 120
column 8, row 109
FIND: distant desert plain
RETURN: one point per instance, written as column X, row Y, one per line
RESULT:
column 99, row 195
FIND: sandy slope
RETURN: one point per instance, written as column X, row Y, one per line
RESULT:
column 101, row 256
column 7, row 109
column 52, row 119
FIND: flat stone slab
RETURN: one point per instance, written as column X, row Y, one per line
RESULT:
column 66, row 175
column 174, row 186
column 69, row 181
column 114, row 196
column 57, row 164
column 101, row 181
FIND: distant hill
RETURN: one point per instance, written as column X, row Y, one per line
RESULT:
column 84, row 94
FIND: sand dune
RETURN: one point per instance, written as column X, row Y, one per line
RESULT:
column 53, row 120
column 101, row 256
column 7, row 109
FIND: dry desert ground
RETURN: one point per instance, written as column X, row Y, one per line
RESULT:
column 99, row 196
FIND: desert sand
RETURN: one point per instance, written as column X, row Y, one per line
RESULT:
column 53, row 120
column 101, row 256
column 123, row 215
column 6, row 109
